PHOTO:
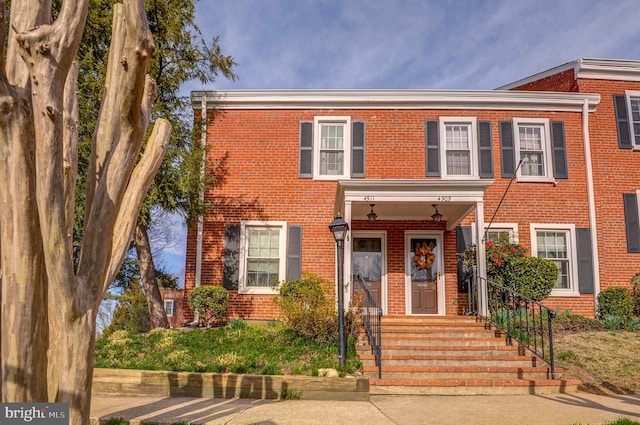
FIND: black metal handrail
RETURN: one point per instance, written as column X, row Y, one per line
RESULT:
column 372, row 320
column 527, row 321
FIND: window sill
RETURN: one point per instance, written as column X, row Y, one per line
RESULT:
column 258, row 291
column 550, row 180
column 564, row 294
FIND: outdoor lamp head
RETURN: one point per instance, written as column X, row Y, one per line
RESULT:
column 339, row 228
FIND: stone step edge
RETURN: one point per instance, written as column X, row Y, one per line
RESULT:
column 362, row 349
column 465, row 369
column 471, row 382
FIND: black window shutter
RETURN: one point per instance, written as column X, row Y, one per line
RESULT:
column 585, row 260
column 631, row 222
column 485, row 150
column 507, row 149
column 622, row 119
column 306, row 149
column 231, row 256
column 357, row 148
column 463, row 241
column 560, row 170
column 294, row 253
column 433, row 148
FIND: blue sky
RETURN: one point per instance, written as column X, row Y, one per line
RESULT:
column 463, row 44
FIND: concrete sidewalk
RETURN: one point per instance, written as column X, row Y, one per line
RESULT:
column 556, row 409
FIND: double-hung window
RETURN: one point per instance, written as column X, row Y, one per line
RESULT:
column 170, row 307
column 332, row 147
column 262, row 256
column 558, row 244
column 498, row 232
column 458, row 156
column 533, row 148
column 633, row 107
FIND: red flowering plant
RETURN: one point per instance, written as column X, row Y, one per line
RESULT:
column 498, row 252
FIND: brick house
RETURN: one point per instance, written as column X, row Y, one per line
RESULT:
column 409, row 169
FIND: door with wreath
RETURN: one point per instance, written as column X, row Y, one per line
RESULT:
column 424, row 255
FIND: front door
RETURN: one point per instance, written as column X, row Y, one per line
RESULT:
column 368, row 260
column 425, row 289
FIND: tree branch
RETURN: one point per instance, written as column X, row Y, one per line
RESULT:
column 139, row 184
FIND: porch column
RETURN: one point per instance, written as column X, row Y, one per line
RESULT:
column 347, row 256
column 481, row 260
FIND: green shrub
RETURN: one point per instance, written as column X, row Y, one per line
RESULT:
column 532, row 277
column 635, row 293
column 306, row 310
column 210, row 303
column 237, row 324
column 616, row 301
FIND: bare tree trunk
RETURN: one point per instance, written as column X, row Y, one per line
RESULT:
column 157, row 315
column 48, row 306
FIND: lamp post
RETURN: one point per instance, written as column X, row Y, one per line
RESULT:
column 339, row 228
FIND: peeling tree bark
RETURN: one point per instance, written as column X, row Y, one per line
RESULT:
column 48, row 306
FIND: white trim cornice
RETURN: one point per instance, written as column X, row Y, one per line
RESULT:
column 588, row 68
column 393, row 99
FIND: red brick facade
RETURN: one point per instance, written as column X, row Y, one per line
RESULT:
column 255, row 153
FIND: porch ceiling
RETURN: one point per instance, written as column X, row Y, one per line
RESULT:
column 402, row 199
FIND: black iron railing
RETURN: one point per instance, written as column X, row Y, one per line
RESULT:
column 371, row 319
column 523, row 319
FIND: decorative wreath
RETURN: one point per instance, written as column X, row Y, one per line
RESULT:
column 424, row 257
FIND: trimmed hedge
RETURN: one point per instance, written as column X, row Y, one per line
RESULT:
column 532, row 277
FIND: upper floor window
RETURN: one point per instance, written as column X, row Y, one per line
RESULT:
column 332, row 147
column 533, row 147
column 459, row 148
column 458, row 158
column 558, row 244
column 262, row 256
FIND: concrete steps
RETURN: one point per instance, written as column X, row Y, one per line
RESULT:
column 454, row 356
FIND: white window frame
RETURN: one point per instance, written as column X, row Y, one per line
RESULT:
column 572, row 255
column 631, row 94
column 512, row 228
column 317, row 123
column 546, row 146
column 243, row 288
column 471, row 122
column 172, row 311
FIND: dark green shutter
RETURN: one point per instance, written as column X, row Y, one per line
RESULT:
column 560, row 170
column 622, row 120
column 631, row 221
column 294, row 253
column 507, row 149
column 463, row 241
column 485, row 150
column 432, row 149
column 231, row 256
column 357, row 148
column 585, row 260
column 306, row 149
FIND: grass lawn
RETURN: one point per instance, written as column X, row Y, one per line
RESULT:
column 607, row 362
column 266, row 349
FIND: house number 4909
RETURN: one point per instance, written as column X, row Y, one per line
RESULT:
column 445, row 198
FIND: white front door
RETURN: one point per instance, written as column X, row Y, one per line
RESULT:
column 368, row 259
column 424, row 273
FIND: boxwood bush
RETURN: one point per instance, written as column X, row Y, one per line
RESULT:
column 210, row 302
column 532, row 277
column 616, row 301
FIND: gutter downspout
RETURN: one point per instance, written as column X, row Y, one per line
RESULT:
column 203, row 116
column 591, row 202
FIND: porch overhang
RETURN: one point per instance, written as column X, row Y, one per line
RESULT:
column 409, row 199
